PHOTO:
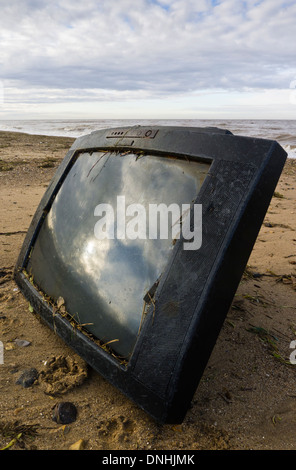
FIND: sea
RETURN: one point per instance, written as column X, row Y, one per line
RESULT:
column 283, row 131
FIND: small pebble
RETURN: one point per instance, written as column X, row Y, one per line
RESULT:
column 22, row 343
column 27, row 378
column 64, row 413
column 79, row 445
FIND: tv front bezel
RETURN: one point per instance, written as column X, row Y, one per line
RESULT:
column 197, row 288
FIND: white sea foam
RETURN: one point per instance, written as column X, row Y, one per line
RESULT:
column 290, row 151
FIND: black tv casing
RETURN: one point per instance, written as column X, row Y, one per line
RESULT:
column 174, row 344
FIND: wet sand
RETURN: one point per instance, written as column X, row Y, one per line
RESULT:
column 247, row 396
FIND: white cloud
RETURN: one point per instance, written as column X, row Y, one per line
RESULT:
column 112, row 50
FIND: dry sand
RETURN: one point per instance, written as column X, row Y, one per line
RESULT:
column 247, row 396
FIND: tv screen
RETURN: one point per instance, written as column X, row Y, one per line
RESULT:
column 137, row 247
column 108, row 235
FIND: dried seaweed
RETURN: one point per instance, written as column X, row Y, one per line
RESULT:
column 17, row 433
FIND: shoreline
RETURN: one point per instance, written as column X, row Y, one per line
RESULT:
column 246, row 398
column 84, row 127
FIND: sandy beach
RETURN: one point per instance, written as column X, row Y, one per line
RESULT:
column 247, row 396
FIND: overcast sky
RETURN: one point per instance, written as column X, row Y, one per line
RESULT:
column 148, row 59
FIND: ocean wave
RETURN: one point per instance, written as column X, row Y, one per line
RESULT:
column 291, row 150
column 286, row 139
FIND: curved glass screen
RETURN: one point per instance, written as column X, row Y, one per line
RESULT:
column 108, row 236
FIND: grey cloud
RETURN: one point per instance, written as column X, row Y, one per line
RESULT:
column 159, row 47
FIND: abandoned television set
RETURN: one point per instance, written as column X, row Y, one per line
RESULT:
column 137, row 248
